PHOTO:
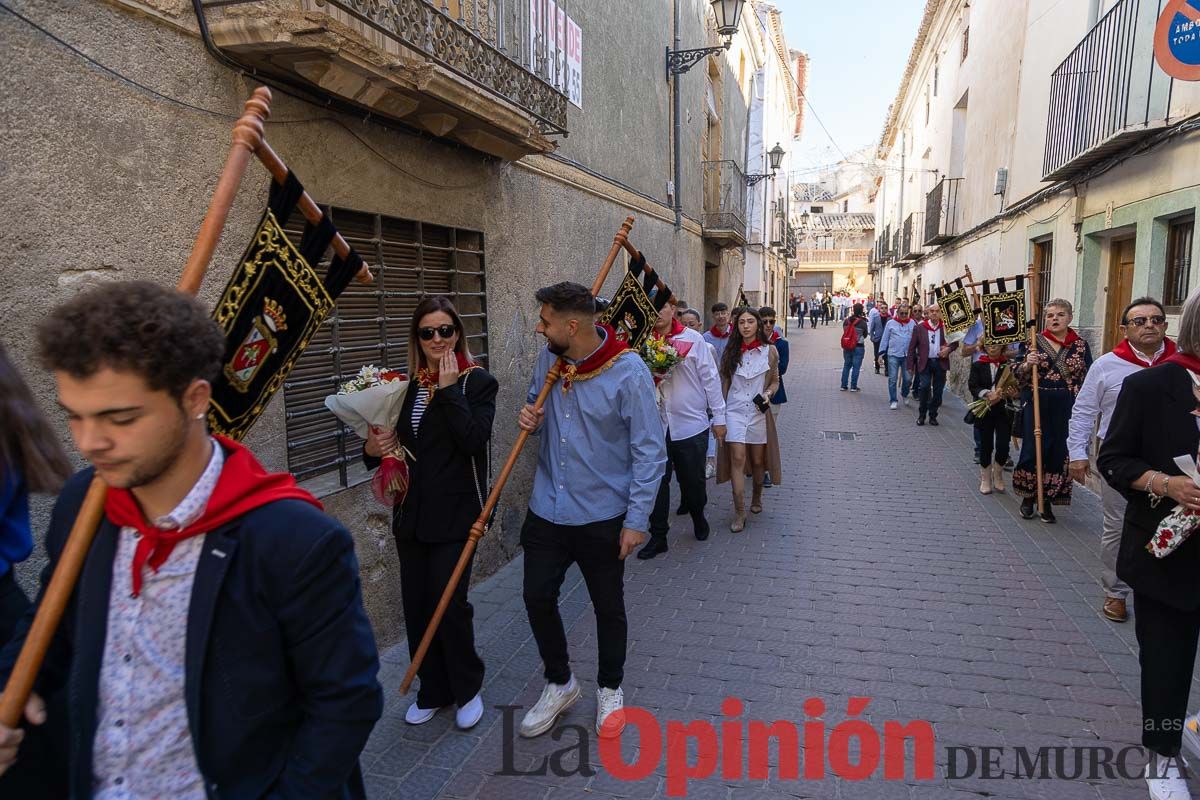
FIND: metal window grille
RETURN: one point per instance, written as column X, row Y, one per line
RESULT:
column 370, row 325
column 1179, row 263
column 1043, row 263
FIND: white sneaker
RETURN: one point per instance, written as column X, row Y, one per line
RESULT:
column 1191, row 734
column 710, row 471
column 1164, row 781
column 468, row 716
column 892, row 406
column 610, row 712
column 555, row 700
column 419, row 716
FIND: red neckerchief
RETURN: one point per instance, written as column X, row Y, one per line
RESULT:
column 757, row 344
column 713, row 330
column 428, row 379
column 1072, row 337
column 929, row 327
column 988, row 360
column 1125, row 351
column 598, row 360
column 242, row 487
column 1184, row 360
column 775, row 337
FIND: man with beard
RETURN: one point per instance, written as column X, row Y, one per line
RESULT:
column 216, row 642
column 1144, row 326
column 601, row 459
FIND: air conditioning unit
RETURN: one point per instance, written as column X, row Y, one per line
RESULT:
column 1001, row 180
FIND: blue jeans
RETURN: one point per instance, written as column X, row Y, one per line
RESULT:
column 851, row 364
column 897, row 370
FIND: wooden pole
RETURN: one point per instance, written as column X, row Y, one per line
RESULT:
column 247, row 137
column 480, row 525
column 971, row 284
column 1032, row 295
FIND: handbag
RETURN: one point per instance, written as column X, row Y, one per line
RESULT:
column 1018, row 420
column 970, row 417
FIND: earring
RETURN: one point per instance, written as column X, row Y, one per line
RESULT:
column 200, row 416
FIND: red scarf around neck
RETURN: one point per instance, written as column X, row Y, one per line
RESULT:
column 1125, row 351
column 757, row 343
column 242, row 487
column 1070, row 339
column 1184, row 360
column 611, row 348
column 721, row 334
column 931, row 328
column 428, row 378
column 775, row 337
column 988, row 360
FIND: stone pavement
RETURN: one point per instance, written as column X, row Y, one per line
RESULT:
column 876, row 570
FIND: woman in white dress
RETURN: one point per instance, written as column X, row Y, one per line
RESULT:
column 749, row 377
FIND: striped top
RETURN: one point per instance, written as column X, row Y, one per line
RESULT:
column 419, row 408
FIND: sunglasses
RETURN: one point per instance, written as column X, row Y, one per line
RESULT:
column 444, row 331
column 769, row 321
column 1138, row 322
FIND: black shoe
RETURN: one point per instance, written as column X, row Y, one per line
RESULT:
column 701, row 527
column 1048, row 516
column 933, row 421
column 679, row 512
column 855, row 389
column 1027, row 508
column 920, row 420
column 652, row 548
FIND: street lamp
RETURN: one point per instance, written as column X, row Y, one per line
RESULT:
column 728, row 14
column 775, row 154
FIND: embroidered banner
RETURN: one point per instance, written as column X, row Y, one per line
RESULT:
column 631, row 312
column 956, row 313
column 1003, row 317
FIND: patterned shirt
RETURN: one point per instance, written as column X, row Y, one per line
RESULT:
column 143, row 747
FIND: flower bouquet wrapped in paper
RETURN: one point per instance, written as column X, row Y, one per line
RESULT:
column 371, row 402
column 1178, row 526
column 661, row 355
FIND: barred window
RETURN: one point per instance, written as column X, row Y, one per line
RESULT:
column 1043, row 265
column 370, row 325
column 1176, row 279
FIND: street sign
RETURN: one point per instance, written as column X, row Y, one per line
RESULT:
column 1177, row 40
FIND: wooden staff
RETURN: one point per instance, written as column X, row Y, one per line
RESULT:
column 247, row 141
column 480, row 525
column 634, row 253
column 1037, row 408
column 971, row 284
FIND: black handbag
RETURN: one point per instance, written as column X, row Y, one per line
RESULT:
column 1018, row 420
column 970, row 418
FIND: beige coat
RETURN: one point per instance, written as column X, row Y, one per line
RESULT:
column 774, row 459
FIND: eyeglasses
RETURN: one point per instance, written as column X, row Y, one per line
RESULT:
column 768, row 321
column 1138, row 322
column 444, row 331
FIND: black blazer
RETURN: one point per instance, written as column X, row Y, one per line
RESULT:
column 280, row 665
column 442, row 500
column 980, row 379
column 1152, row 424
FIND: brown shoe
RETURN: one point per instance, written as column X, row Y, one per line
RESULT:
column 1114, row 609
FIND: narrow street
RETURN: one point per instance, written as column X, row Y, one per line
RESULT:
column 876, row 570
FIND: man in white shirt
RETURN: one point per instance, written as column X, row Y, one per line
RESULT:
column 1144, row 326
column 689, row 391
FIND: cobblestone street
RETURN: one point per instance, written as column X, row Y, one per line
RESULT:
column 860, row 578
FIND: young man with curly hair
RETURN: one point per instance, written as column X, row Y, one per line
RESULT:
column 216, row 643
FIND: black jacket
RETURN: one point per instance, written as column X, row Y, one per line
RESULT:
column 980, row 379
column 442, row 500
column 280, row 662
column 1152, row 423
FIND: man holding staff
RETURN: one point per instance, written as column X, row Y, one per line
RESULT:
column 216, row 643
column 600, row 461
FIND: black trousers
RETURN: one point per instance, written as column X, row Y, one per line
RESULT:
column 931, row 383
column 685, row 458
column 550, row 550
column 992, row 433
column 875, row 344
column 452, row 672
column 1167, row 653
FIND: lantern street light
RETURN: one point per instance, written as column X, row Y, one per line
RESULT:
column 775, row 154
column 728, row 14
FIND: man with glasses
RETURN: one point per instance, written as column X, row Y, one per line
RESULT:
column 777, row 338
column 1144, row 328
column 897, row 334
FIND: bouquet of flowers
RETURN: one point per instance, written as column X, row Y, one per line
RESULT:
column 979, row 408
column 370, row 402
column 662, row 354
column 1178, row 526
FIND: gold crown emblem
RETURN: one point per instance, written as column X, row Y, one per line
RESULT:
column 274, row 316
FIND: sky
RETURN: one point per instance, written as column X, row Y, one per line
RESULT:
column 858, row 51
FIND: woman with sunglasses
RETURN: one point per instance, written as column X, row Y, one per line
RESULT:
column 749, row 377
column 445, row 424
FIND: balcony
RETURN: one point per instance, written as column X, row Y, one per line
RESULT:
column 724, row 218
column 467, row 70
column 911, row 235
column 941, row 212
column 1107, row 93
column 856, row 255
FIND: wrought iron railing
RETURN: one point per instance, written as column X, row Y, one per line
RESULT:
column 941, row 211
column 724, row 197
column 844, row 255
column 912, row 244
column 1108, row 86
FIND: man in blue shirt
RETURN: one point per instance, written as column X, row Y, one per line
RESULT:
column 601, row 458
column 897, row 334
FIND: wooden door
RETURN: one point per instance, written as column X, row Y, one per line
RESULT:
column 1120, row 287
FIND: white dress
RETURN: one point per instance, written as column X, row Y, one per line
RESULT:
column 744, row 423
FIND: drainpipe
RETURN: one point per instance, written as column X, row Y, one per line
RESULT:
column 678, row 128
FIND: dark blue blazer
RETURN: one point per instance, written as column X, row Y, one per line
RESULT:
column 784, row 351
column 280, row 665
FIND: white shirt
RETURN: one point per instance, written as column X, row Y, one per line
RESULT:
column 1098, row 397
column 935, row 341
column 143, row 746
column 995, row 368
column 690, row 390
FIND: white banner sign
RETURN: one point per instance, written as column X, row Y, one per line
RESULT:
column 556, row 48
